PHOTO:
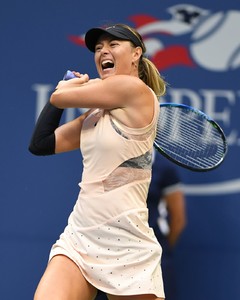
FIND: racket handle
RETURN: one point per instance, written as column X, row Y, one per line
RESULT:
column 68, row 75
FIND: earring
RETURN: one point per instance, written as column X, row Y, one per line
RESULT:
column 134, row 64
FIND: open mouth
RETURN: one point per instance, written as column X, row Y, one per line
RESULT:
column 107, row 64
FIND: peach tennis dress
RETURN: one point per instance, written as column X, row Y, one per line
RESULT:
column 108, row 235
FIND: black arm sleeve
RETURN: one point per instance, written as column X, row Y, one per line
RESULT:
column 43, row 138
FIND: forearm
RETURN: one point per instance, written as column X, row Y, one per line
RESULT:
column 177, row 215
column 176, row 227
column 43, row 140
column 66, row 90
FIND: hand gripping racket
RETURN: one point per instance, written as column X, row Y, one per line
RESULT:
column 187, row 136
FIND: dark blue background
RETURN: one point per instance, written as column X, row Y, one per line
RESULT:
column 38, row 193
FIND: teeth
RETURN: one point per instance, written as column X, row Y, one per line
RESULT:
column 107, row 64
column 107, row 61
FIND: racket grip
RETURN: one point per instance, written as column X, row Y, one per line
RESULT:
column 68, row 75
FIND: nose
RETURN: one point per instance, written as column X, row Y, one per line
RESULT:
column 105, row 50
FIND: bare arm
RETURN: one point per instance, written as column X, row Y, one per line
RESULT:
column 127, row 97
column 176, row 208
column 68, row 135
column 113, row 92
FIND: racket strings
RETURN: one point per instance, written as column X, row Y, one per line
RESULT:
column 179, row 130
column 189, row 138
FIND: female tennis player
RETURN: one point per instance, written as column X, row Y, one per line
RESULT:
column 107, row 243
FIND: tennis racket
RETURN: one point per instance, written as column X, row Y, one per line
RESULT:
column 68, row 75
column 187, row 136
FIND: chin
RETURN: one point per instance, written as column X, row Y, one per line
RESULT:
column 104, row 76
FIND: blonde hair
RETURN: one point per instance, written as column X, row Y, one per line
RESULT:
column 147, row 71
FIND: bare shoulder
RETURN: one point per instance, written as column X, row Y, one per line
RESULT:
column 126, row 80
column 138, row 104
column 127, row 87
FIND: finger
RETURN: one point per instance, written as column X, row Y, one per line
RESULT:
column 77, row 74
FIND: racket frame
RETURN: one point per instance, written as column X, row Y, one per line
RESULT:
column 211, row 121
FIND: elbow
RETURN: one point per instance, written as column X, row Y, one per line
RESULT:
column 34, row 150
column 52, row 99
column 37, row 151
column 55, row 99
column 41, row 149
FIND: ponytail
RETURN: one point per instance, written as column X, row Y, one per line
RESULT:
column 147, row 71
column 151, row 76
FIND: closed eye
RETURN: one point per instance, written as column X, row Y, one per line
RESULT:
column 114, row 43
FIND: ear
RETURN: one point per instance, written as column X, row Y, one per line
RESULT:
column 137, row 53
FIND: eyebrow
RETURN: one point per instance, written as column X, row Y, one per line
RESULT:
column 109, row 39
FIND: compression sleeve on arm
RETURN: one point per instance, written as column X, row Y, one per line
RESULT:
column 43, row 138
